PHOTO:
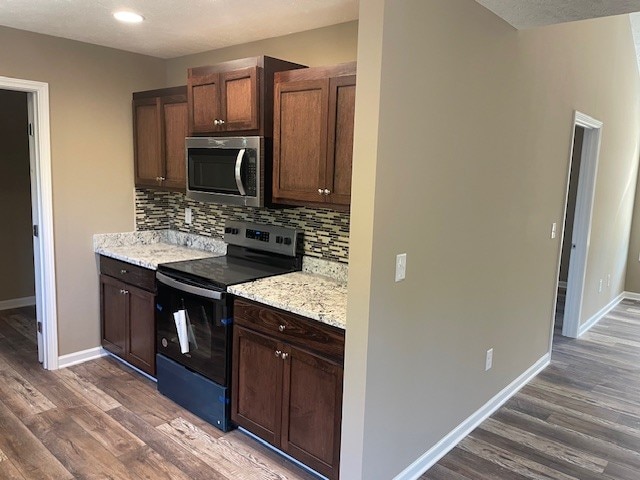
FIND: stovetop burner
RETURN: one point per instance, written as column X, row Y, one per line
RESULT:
column 254, row 251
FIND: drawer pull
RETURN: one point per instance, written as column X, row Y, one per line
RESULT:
column 282, row 328
column 124, row 272
column 278, row 353
column 284, row 356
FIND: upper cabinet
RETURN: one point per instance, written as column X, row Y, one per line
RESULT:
column 234, row 97
column 313, row 136
column 159, row 129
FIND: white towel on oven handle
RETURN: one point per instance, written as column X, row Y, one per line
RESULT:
column 180, row 318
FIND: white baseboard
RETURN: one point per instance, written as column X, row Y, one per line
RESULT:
column 447, row 443
column 17, row 303
column 586, row 326
column 631, row 295
column 81, row 356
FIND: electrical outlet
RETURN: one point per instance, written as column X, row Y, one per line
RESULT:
column 401, row 266
column 600, row 286
column 188, row 217
column 554, row 230
column 488, row 361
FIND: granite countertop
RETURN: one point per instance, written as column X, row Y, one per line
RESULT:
column 310, row 295
column 150, row 248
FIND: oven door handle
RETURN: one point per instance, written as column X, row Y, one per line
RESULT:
column 183, row 287
column 238, row 172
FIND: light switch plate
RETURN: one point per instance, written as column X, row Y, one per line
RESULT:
column 401, row 266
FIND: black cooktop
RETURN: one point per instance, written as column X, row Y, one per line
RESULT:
column 223, row 271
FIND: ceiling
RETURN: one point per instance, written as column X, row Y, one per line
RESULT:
column 173, row 28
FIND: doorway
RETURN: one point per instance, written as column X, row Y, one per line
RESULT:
column 37, row 109
column 572, row 264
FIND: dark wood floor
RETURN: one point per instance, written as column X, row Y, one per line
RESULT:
column 101, row 420
column 579, row 419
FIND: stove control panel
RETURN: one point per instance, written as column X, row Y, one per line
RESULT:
column 268, row 238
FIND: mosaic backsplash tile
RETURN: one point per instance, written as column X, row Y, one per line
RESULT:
column 326, row 232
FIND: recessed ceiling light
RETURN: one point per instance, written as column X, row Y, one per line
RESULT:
column 128, row 17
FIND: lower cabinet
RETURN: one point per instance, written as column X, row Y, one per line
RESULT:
column 287, row 383
column 128, row 313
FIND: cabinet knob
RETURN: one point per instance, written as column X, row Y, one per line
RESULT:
column 327, row 191
column 123, row 271
column 123, row 292
column 215, row 122
column 221, row 122
column 162, row 179
column 278, row 353
column 320, row 191
column 282, row 328
column 284, row 356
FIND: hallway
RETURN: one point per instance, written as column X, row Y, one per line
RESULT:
column 578, row 420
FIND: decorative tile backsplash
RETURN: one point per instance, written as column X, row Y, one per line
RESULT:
column 326, row 232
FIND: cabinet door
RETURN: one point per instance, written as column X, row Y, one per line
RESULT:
column 257, row 384
column 239, row 99
column 300, row 140
column 312, row 411
column 141, row 332
column 204, row 103
column 147, row 141
column 342, row 105
column 113, row 313
column 174, row 116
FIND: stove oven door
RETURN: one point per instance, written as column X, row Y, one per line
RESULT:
column 201, row 317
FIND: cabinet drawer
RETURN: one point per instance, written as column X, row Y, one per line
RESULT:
column 128, row 273
column 299, row 331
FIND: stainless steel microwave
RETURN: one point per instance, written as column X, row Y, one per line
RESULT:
column 226, row 170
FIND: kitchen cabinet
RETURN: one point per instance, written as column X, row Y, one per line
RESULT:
column 160, row 127
column 233, row 97
column 313, row 136
column 127, row 312
column 287, row 376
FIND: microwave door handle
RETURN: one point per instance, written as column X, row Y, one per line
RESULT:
column 238, row 172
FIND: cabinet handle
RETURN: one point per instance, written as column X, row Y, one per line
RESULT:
column 284, row 356
column 123, row 271
column 327, row 191
column 320, row 191
column 282, row 328
column 278, row 353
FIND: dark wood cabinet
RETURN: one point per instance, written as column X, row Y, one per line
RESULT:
column 127, row 307
column 287, row 383
column 160, row 127
column 313, row 136
column 233, row 97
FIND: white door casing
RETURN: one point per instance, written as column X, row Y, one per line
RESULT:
column 42, row 214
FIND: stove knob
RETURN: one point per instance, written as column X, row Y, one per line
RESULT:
column 234, row 231
column 164, row 342
column 287, row 240
column 278, row 239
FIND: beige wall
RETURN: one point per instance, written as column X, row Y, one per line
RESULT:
column 632, row 281
column 16, row 245
column 322, row 46
column 471, row 160
column 92, row 158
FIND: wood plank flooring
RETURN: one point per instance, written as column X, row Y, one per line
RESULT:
column 578, row 420
column 101, row 420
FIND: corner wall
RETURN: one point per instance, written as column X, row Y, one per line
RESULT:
column 16, row 243
column 92, row 158
column 474, row 139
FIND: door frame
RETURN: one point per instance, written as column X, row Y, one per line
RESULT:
column 581, row 237
column 42, row 212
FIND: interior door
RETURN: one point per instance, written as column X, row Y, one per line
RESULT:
column 35, row 215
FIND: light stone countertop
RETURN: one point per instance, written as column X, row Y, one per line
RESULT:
column 314, row 296
column 150, row 248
